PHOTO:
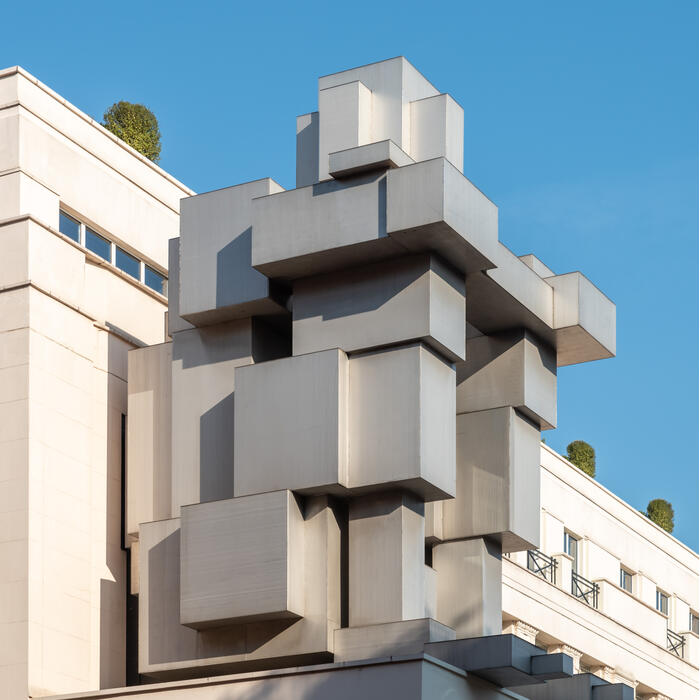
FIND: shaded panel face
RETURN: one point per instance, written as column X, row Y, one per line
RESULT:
column 290, row 424
column 412, row 298
column 497, row 480
column 217, row 280
column 512, row 368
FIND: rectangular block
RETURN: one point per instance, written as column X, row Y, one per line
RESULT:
column 397, row 301
column 307, row 149
column 386, row 536
column 217, row 280
column 175, row 322
column 388, row 639
column 401, row 422
column 424, row 207
column 203, row 366
column 584, row 319
column 432, row 206
column 290, row 424
column 169, row 649
column 469, row 586
column 498, row 480
column 242, row 560
column 324, row 227
column 148, row 462
column 380, row 155
column 512, row 368
column 346, row 122
column 437, row 130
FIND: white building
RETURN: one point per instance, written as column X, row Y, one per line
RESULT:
column 84, row 225
column 84, row 229
column 633, row 616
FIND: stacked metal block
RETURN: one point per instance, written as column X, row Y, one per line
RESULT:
column 358, row 376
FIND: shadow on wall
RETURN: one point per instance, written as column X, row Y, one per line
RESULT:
column 113, row 593
column 216, row 451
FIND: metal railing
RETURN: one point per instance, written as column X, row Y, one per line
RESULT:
column 543, row 565
column 675, row 643
column 584, row 589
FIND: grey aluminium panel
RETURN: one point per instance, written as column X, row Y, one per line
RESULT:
column 395, row 301
column 432, row 206
column 217, row 280
column 289, row 425
column 242, row 560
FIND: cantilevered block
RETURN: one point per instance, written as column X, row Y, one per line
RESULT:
column 432, row 206
column 327, row 226
column 372, row 156
column 437, row 130
column 584, row 320
column 425, row 207
column 498, row 480
column 512, row 368
column 217, row 281
column 401, row 422
column 565, row 311
column 386, row 536
column 290, row 425
column 148, row 461
column 242, row 559
column 511, row 295
column 503, row 659
column 469, row 586
column 170, row 650
column 397, row 301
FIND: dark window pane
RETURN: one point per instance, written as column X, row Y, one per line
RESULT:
column 127, row 263
column 626, row 580
column 156, row 281
column 98, row 245
column 68, row 226
column 694, row 623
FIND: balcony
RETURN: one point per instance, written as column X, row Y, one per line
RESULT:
column 541, row 564
column 675, row 643
column 584, row 589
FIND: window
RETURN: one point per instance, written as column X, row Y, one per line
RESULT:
column 693, row 622
column 571, row 548
column 625, row 580
column 102, row 246
column 98, row 245
column 661, row 602
column 127, row 263
column 68, row 226
column 156, row 281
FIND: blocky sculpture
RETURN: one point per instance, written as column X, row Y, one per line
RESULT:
column 358, row 377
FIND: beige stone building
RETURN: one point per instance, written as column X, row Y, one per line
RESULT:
column 84, row 225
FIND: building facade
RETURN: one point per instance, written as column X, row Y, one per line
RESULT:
column 322, row 476
column 607, row 586
column 84, row 225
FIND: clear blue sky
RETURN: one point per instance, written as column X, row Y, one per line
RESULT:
column 581, row 125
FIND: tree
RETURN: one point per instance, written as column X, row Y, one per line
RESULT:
column 660, row 512
column 582, row 455
column 136, row 125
